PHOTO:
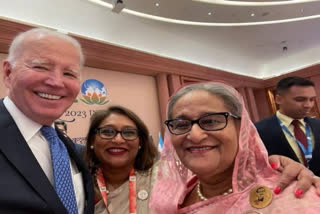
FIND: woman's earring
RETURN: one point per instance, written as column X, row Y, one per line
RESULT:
column 139, row 147
column 91, row 147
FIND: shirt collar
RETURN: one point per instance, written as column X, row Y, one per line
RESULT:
column 287, row 120
column 27, row 127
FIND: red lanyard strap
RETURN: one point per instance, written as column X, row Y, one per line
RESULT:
column 132, row 190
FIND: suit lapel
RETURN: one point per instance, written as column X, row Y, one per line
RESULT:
column 15, row 148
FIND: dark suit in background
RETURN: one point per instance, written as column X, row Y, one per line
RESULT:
column 24, row 187
column 276, row 142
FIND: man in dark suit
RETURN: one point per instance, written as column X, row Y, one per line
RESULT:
column 290, row 132
column 42, row 74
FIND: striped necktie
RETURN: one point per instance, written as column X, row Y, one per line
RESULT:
column 301, row 137
column 299, row 134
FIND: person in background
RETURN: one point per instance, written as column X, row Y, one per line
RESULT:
column 290, row 131
column 122, row 160
column 209, row 132
column 61, row 125
column 40, row 170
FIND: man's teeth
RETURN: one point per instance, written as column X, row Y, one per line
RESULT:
column 49, row 96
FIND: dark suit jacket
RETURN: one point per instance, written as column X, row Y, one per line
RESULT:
column 276, row 142
column 24, row 187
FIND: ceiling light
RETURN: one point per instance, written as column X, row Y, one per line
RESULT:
column 302, row 10
column 182, row 22
column 118, row 6
column 253, row 3
column 157, row 4
column 209, row 13
column 252, row 14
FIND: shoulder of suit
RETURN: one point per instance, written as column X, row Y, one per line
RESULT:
column 80, row 148
column 265, row 120
column 313, row 121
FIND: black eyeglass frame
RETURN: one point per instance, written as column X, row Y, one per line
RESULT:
column 226, row 114
column 98, row 131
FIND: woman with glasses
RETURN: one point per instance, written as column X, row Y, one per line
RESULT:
column 122, row 160
column 210, row 134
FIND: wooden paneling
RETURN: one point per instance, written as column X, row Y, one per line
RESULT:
column 174, row 83
column 262, row 103
column 252, row 104
column 163, row 96
column 170, row 74
column 304, row 72
column 111, row 57
column 8, row 30
column 242, row 91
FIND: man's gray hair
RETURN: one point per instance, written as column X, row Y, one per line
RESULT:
column 231, row 101
column 16, row 47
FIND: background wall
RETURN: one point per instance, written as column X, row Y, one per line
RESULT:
column 144, row 82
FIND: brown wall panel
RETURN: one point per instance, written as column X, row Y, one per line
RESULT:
column 252, row 104
column 174, row 83
column 163, row 96
column 262, row 103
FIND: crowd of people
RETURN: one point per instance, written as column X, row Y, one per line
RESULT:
column 213, row 161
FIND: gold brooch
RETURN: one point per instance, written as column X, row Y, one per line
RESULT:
column 260, row 197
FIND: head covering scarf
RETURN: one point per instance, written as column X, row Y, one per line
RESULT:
column 251, row 168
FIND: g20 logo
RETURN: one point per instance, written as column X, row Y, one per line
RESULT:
column 93, row 92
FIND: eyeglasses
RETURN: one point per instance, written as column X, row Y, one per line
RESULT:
column 110, row 133
column 208, row 122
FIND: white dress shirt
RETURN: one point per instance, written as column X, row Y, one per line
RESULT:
column 39, row 146
column 287, row 121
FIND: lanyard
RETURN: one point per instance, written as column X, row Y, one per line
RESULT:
column 132, row 190
column 307, row 152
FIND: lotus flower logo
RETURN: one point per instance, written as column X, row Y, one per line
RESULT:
column 93, row 92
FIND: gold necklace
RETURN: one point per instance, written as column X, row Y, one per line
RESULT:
column 203, row 198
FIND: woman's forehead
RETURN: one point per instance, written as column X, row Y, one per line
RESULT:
column 196, row 103
column 118, row 118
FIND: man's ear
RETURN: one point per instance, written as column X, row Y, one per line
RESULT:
column 278, row 99
column 7, row 71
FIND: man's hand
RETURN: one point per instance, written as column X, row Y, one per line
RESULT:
column 293, row 171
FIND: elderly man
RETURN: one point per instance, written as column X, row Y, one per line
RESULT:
column 41, row 171
column 290, row 132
